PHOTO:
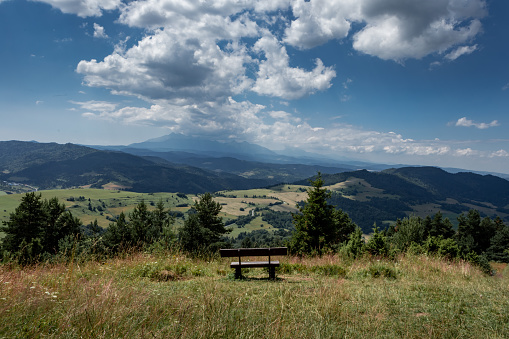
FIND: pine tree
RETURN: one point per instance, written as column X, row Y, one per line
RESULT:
column 59, row 224
column 441, row 227
column 162, row 222
column 208, row 215
column 25, row 224
column 377, row 243
column 36, row 228
column 203, row 230
column 355, row 244
column 319, row 226
column 474, row 234
column 192, row 235
column 139, row 224
column 118, row 235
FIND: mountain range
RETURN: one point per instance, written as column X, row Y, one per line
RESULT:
column 181, row 164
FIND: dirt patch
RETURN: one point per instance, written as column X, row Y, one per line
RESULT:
column 114, row 187
column 499, row 268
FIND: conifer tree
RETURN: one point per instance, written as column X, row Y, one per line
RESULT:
column 207, row 211
column 377, row 243
column 203, row 230
column 441, row 227
column 319, row 226
column 191, row 236
column 118, row 235
column 474, row 234
column 36, row 227
column 26, row 223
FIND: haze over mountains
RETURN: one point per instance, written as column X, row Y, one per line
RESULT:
column 179, row 147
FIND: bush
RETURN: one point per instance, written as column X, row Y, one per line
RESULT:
column 432, row 244
column 380, row 270
column 354, row 248
column 286, row 268
column 408, row 231
column 415, row 249
column 480, row 261
column 329, row 270
column 448, row 248
column 377, row 244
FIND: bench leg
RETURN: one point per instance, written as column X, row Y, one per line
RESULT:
column 238, row 273
column 272, row 273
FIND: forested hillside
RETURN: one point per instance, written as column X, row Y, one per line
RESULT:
column 378, row 197
column 49, row 166
column 19, row 155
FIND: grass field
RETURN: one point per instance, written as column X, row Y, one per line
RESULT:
column 255, row 224
column 171, row 296
column 358, row 189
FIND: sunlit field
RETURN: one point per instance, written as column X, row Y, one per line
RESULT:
column 170, row 295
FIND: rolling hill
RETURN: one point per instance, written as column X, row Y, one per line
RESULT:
column 379, row 197
column 62, row 166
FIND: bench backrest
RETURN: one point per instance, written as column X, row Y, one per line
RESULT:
column 255, row 252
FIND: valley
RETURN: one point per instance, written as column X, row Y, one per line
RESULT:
column 176, row 169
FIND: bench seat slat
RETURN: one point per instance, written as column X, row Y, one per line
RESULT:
column 273, row 263
column 246, row 252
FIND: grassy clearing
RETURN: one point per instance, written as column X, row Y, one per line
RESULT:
column 358, row 189
column 256, row 224
column 290, row 194
column 161, row 296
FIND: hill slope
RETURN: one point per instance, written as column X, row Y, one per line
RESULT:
column 378, row 197
column 61, row 166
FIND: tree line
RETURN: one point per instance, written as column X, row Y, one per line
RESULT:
column 41, row 230
column 321, row 228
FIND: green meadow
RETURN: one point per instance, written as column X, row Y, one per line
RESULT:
column 168, row 295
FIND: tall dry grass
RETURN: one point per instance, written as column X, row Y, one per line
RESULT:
column 161, row 296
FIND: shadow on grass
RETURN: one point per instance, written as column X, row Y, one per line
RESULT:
column 231, row 277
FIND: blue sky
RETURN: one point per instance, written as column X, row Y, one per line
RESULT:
column 393, row 81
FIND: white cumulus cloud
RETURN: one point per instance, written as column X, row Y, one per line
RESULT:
column 93, row 105
column 464, row 122
column 319, row 21
column 167, row 66
column 402, row 33
column 465, row 152
column 84, row 8
column 276, row 78
column 500, row 154
column 99, row 31
column 390, row 29
column 460, row 51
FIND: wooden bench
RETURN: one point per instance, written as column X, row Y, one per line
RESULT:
column 254, row 252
